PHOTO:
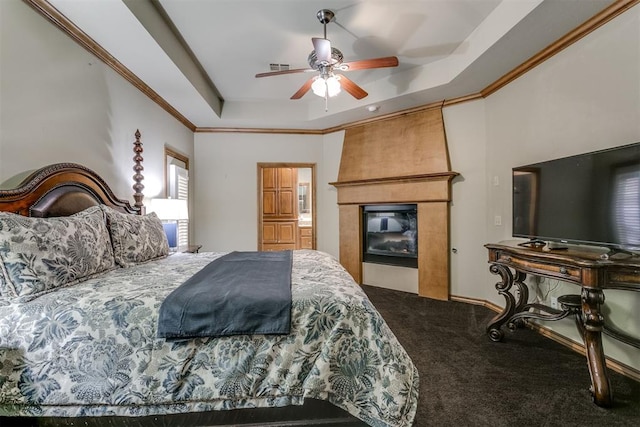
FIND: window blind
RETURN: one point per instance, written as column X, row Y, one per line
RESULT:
column 179, row 189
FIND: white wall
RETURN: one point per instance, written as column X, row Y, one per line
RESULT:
column 328, row 233
column 227, row 185
column 584, row 99
column 61, row 104
column 466, row 140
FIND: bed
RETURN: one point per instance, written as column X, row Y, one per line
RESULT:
column 84, row 344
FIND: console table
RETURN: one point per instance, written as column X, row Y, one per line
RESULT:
column 593, row 270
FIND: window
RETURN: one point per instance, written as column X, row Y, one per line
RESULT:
column 177, row 187
column 626, row 205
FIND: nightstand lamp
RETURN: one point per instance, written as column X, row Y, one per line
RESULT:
column 170, row 211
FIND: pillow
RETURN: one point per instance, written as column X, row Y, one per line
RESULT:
column 38, row 255
column 136, row 238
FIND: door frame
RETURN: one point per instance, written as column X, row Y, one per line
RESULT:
column 314, row 210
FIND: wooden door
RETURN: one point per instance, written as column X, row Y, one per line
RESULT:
column 279, row 193
column 269, row 193
column 287, row 192
column 305, row 238
column 278, row 225
column 287, row 232
column 269, row 232
column 279, row 208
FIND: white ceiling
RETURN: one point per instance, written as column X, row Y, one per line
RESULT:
column 201, row 56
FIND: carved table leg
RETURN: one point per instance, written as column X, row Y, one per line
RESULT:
column 523, row 297
column 590, row 326
column 503, row 287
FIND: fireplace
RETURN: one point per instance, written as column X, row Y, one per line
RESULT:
column 399, row 160
column 390, row 234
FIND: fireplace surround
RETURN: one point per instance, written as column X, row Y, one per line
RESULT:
column 400, row 160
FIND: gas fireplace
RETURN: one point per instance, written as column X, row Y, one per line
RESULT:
column 390, row 234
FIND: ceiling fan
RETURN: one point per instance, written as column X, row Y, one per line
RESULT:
column 327, row 59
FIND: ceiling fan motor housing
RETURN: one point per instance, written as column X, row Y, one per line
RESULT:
column 336, row 60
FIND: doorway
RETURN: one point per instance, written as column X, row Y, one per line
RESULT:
column 286, row 206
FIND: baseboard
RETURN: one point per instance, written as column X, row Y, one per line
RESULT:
column 474, row 301
column 612, row 364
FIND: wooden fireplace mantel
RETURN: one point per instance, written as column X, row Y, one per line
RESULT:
column 432, row 187
column 408, row 178
column 399, row 160
column 432, row 194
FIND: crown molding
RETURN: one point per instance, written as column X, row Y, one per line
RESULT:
column 259, row 130
column 559, row 45
column 54, row 16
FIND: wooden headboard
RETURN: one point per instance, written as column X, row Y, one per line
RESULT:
column 63, row 189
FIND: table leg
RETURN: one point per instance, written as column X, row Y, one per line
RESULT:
column 503, row 287
column 523, row 298
column 590, row 325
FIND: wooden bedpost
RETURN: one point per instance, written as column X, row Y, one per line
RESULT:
column 137, row 177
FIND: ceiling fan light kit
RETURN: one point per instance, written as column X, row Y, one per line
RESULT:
column 327, row 59
column 326, row 86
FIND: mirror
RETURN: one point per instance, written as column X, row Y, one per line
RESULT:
column 304, row 204
column 305, row 196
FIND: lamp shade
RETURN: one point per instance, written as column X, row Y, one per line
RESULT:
column 169, row 209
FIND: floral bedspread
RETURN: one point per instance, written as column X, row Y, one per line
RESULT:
column 91, row 349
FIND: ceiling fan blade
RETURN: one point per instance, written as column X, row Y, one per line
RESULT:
column 388, row 61
column 304, row 89
column 353, row 89
column 323, row 49
column 278, row 73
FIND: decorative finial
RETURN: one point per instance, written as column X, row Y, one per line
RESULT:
column 138, row 168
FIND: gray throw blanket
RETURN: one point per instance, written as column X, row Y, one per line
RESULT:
column 236, row 294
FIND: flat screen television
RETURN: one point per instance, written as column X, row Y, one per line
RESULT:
column 591, row 199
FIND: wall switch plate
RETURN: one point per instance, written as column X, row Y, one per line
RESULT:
column 554, row 303
column 497, row 220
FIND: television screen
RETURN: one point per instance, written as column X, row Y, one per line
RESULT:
column 591, row 198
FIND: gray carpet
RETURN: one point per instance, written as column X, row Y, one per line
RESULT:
column 467, row 380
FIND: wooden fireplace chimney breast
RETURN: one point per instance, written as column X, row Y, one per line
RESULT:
column 399, row 160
